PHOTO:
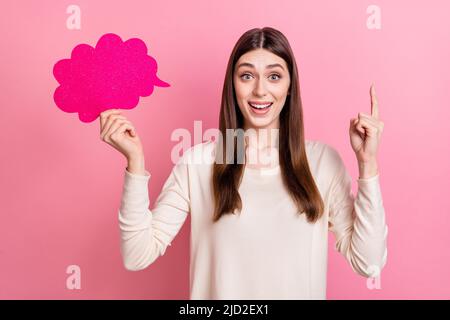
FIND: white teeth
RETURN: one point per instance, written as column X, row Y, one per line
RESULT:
column 260, row 106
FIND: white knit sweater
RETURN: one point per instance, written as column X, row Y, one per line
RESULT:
column 268, row 251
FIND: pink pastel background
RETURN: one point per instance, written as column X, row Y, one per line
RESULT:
column 61, row 185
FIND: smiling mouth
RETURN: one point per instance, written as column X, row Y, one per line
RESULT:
column 260, row 108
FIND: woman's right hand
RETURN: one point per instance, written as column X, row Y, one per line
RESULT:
column 120, row 133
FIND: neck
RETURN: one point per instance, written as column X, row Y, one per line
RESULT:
column 262, row 138
column 262, row 146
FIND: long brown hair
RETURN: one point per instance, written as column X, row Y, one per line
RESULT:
column 294, row 165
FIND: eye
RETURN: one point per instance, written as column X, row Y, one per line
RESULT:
column 277, row 75
column 245, row 74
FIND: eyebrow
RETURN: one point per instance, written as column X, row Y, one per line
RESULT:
column 246, row 64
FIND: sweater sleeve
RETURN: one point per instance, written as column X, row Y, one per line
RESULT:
column 144, row 233
column 358, row 223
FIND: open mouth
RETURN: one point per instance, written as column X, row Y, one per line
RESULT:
column 260, row 108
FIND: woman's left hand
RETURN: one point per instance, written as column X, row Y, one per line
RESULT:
column 365, row 133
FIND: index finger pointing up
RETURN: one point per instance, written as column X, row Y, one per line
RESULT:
column 374, row 102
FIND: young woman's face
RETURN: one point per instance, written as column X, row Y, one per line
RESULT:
column 261, row 78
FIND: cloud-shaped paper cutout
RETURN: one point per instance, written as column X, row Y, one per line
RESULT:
column 113, row 75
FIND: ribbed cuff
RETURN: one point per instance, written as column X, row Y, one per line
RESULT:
column 145, row 176
column 135, row 196
column 375, row 177
column 136, row 181
column 369, row 191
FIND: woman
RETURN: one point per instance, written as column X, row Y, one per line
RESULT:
column 258, row 230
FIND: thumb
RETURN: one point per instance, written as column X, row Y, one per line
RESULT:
column 354, row 127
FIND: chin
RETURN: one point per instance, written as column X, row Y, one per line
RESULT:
column 259, row 123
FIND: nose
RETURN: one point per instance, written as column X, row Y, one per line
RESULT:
column 260, row 89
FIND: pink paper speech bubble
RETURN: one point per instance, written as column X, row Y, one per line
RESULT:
column 113, row 75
